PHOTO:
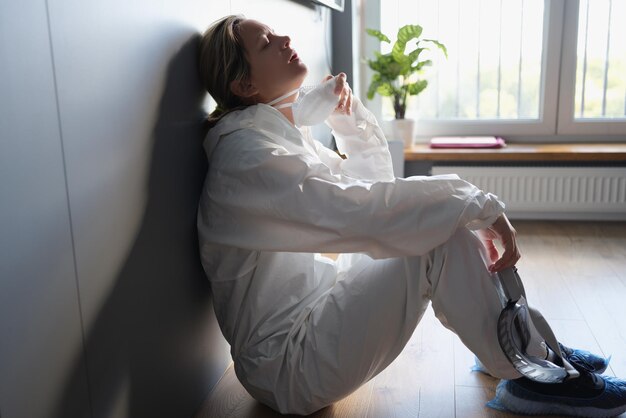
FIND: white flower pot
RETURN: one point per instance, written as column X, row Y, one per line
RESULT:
column 404, row 130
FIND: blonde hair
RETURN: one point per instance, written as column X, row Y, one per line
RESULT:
column 222, row 60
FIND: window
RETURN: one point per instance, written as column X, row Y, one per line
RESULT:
column 516, row 67
column 593, row 81
column 494, row 67
column 601, row 61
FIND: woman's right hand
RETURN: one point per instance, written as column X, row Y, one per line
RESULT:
column 503, row 231
column 343, row 90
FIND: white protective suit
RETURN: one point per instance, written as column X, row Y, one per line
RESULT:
column 305, row 330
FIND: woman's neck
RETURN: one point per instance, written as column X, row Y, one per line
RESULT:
column 288, row 113
column 282, row 103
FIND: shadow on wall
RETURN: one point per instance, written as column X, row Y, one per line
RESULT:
column 151, row 350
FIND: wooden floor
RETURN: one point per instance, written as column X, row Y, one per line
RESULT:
column 574, row 272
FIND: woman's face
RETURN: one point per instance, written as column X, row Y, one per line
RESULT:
column 275, row 68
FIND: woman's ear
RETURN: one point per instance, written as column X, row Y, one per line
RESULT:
column 243, row 88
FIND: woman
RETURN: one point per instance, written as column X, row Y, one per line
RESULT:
column 305, row 331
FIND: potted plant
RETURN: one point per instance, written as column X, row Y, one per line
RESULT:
column 396, row 75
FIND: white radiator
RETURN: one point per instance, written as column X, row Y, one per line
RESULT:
column 585, row 193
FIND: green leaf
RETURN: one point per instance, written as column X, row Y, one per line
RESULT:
column 385, row 65
column 380, row 86
column 413, row 55
column 385, row 89
column 405, row 34
column 378, row 34
column 417, row 87
column 373, row 64
column 439, row 45
column 425, row 63
column 376, row 81
column 385, row 60
column 393, row 70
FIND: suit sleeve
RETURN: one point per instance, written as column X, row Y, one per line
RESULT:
column 259, row 196
column 359, row 137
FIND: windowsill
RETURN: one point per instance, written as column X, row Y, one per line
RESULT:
column 520, row 152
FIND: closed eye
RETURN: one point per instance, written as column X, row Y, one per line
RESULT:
column 266, row 42
column 267, row 37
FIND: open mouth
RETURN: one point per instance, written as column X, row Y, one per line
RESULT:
column 294, row 56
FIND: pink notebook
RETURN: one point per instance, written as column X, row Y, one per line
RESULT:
column 467, row 142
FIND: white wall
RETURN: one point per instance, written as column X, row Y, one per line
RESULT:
column 104, row 308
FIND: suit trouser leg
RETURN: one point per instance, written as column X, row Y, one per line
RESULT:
column 371, row 312
column 465, row 300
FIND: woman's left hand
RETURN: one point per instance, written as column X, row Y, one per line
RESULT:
column 343, row 90
column 503, row 231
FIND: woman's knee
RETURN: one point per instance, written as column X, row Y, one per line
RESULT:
column 464, row 246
